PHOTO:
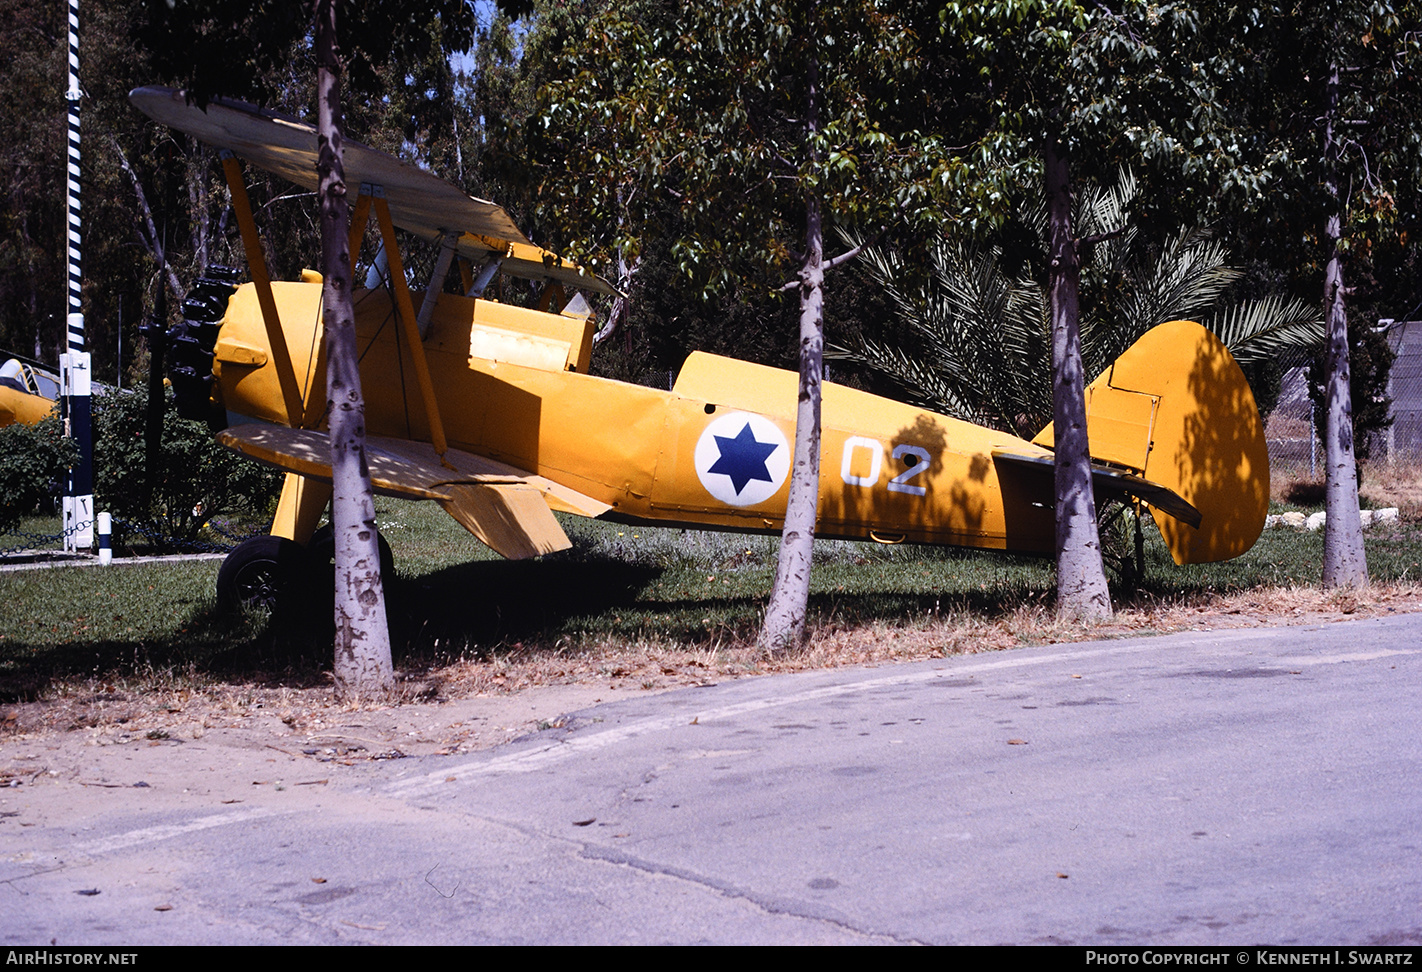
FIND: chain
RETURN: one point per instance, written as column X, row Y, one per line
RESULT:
column 35, row 541
column 195, row 546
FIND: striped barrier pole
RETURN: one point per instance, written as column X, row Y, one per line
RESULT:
column 74, row 371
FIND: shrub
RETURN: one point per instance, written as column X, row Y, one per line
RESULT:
column 195, row 480
column 33, row 461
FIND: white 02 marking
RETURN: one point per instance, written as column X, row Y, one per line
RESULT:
column 900, row 483
column 915, row 459
column 876, row 461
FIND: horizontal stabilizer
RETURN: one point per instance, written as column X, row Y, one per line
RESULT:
column 1114, row 482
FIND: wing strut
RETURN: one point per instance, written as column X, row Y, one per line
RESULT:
column 436, row 284
column 257, row 266
column 407, row 320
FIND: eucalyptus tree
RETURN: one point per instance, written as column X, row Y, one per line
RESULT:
column 1066, row 88
column 32, row 208
column 200, row 47
column 742, row 131
column 1333, row 104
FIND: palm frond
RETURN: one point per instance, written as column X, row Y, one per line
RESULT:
column 976, row 344
column 1269, row 329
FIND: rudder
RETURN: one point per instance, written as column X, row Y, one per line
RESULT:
column 1176, row 408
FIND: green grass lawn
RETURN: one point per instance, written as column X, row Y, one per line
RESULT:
column 454, row 599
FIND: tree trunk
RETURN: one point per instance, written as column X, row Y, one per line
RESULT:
column 1081, row 579
column 148, row 232
column 363, row 667
column 784, row 626
column 197, row 204
column 157, row 334
column 622, row 302
column 1344, row 562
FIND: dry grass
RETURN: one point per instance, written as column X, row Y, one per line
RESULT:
column 1400, row 486
column 1383, row 485
column 189, row 705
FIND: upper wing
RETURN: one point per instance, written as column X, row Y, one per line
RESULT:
column 508, row 509
column 420, row 202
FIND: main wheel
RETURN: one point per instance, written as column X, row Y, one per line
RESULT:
column 264, row 573
column 322, row 550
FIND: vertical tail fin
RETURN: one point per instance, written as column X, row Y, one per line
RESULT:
column 1176, row 409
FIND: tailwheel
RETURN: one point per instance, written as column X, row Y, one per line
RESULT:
column 263, row 573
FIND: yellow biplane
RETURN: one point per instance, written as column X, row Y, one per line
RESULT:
column 26, row 394
column 488, row 408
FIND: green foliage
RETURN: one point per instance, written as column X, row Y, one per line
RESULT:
column 1285, row 123
column 33, row 463
column 1134, row 82
column 234, row 47
column 670, row 317
column 695, row 124
column 975, row 337
column 32, row 208
column 197, row 479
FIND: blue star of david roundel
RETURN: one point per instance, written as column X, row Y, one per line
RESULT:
column 742, row 459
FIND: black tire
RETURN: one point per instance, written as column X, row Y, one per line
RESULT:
column 322, row 551
column 263, row 573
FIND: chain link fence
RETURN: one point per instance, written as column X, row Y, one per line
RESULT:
column 1293, row 443
column 1402, row 442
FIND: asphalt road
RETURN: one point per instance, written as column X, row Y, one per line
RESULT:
column 1231, row 787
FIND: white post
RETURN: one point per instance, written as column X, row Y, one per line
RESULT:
column 106, row 539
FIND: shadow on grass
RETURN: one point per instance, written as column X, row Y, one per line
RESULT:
column 208, row 646
column 488, row 609
column 477, row 607
column 485, row 609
